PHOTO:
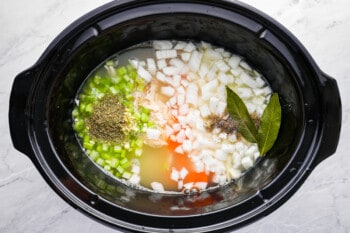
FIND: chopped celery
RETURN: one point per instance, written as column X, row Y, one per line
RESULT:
column 114, row 162
column 124, row 161
column 100, row 161
column 120, row 169
column 94, row 155
column 126, row 175
column 88, row 145
column 138, row 152
column 105, row 147
column 114, row 157
column 117, row 148
column 123, row 153
column 107, row 167
column 122, row 71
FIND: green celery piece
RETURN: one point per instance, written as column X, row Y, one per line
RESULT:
column 239, row 113
column 270, row 123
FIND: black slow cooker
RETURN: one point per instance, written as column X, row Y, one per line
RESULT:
column 42, row 100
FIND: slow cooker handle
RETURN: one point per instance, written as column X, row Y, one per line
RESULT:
column 332, row 119
column 18, row 112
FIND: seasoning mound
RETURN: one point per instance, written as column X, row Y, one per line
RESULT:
column 107, row 120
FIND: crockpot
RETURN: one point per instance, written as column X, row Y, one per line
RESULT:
column 42, row 100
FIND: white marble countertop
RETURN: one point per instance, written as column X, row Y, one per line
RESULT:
column 27, row 204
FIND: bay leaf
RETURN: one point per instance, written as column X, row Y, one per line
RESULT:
column 238, row 111
column 270, row 123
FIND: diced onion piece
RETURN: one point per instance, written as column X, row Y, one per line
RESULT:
column 180, row 45
column 184, row 82
column 183, row 109
column 203, row 70
column 210, row 86
column 235, row 173
column 181, row 90
column 162, row 44
column 185, row 56
column 172, row 101
column 170, row 70
column 225, row 79
column 164, row 54
column 213, row 103
column 256, row 155
column 247, row 162
column 189, row 47
column 221, row 154
column 182, row 120
column 201, row 185
column 168, row 130
column 234, row 61
column 180, row 99
column 188, row 185
column 156, row 186
column 176, row 127
column 135, row 169
column 183, row 173
column 179, row 150
column 174, row 80
column 236, row 72
column 228, row 148
column 212, row 73
column 173, row 138
column 249, row 81
column 199, row 166
column 153, row 133
column 144, row 74
column 244, row 92
column 175, row 175
column 134, row 62
column 232, row 138
column 222, row 66
column 220, row 179
column 251, row 150
column 212, row 54
column 195, row 61
column 245, row 65
column 205, row 45
column 204, row 109
column 180, row 137
column 134, row 179
column 167, row 90
column 192, row 94
column 223, row 136
column 187, row 146
column 161, row 63
column 180, row 184
column 188, row 132
column 220, row 108
column 260, row 81
column 160, row 76
column 151, row 65
column 177, row 63
column 263, row 91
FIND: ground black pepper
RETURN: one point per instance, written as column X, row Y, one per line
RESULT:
column 227, row 124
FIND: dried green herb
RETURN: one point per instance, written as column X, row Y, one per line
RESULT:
column 270, row 123
column 268, row 126
column 239, row 113
column 107, row 120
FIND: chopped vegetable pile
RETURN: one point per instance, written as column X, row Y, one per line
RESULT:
column 181, row 116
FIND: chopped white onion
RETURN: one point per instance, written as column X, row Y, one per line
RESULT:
column 156, row 186
column 162, row 44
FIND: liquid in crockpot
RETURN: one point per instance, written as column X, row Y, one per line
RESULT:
column 155, row 116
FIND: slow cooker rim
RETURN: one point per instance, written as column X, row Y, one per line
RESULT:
column 42, row 164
